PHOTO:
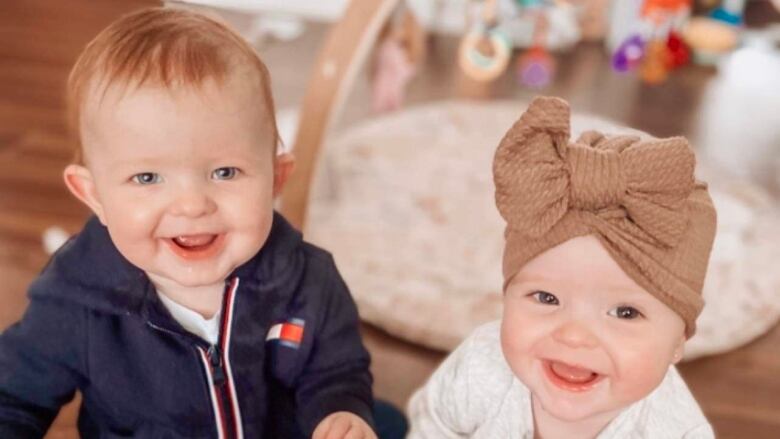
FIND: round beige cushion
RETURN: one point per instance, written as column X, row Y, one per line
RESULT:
column 405, row 204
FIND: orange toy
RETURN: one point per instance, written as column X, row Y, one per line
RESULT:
column 651, row 7
column 655, row 67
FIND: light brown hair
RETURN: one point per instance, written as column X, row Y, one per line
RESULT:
column 167, row 47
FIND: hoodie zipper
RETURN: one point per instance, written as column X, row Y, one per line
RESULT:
column 227, row 414
column 220, row 392
column 216, row 362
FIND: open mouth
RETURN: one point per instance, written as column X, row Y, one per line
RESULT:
column 570, row 377
column 193, row 247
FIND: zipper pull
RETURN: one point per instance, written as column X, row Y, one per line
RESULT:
column 215, row 358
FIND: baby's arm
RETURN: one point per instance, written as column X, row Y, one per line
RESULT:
column 336, row 378
column 39, row 363
column 443, row 407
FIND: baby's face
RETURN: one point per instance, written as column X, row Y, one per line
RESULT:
column 183, row 179
column 583, row 336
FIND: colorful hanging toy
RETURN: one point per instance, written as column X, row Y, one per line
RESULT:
column 719, row 33
column 657, row 47
column 484, row 52
column 400, row 51
column 536, row 67
column 629, row 54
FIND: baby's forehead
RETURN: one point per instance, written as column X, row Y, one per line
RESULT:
column 579, row 263
column 167, row 47
column 242, row 85
column 603, row 285
column 122, row 117
column 237, row 101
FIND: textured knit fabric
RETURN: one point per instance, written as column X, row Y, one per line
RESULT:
column 95, row 324
column 640, row 198
column 474, row 394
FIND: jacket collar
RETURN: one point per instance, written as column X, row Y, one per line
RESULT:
column 90, row 271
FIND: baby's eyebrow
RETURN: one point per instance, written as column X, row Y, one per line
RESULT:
column 629, row 294
column 533, row 276
column 626, row 290
column 135, row 162
column 522, row 280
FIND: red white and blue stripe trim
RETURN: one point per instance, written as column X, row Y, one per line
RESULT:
column 217, row 402
column 219, row 417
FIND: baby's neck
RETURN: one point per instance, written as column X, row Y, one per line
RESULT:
column 547, row 426
column 205, row 300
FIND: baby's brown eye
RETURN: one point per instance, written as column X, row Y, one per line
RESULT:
column 545, row 298
column 625, row 312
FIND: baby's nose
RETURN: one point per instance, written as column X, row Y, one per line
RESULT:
column 192, row 203
column 575, row 334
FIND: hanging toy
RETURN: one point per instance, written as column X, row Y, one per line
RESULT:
column 536, row 67
column 629, row 54
column 484, row 51
column 679, row 54
column 400, row 51
column 655, row 66
column 656, row 62
column 411, row 35
column 730, row 12
column 530, row 3
column 658, row 48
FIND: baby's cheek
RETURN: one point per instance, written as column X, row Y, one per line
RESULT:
column 518, row 339
column 640, row 376
column 511, row 341
column 248, row 211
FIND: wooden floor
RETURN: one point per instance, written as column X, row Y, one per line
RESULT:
column 739, row 391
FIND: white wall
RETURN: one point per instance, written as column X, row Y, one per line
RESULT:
column 444, row 16
column 441, row 15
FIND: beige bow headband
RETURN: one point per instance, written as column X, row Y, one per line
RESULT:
column 638, row 197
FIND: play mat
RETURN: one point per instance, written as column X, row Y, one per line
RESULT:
column 405, row 204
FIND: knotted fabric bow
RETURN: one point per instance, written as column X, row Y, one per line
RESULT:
column 639, row 197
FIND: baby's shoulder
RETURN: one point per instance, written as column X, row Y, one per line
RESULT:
column 484, row 364
column 483, row 346
column 674, row 398
column 670, row 411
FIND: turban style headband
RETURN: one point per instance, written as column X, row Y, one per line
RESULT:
column 639, row 198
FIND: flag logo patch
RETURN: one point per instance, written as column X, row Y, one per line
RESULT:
column 289, row 333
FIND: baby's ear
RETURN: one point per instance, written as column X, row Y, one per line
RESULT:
column 284, row 164
column 81, row 184
column 679, row 351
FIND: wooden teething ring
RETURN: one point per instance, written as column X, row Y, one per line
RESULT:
column 478, row 65
column 475, row 63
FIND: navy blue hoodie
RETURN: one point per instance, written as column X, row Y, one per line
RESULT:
column 289, row 351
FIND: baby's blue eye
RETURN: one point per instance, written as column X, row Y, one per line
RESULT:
column 625, row 312
column 226, row 173
column 145, row 178
column 545, row 298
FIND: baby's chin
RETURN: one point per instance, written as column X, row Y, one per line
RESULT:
column 571, row 411
column 191, row 276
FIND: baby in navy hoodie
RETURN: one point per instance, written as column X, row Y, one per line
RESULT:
column 186, row 307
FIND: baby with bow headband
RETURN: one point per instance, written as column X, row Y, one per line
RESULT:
column 607, row 244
